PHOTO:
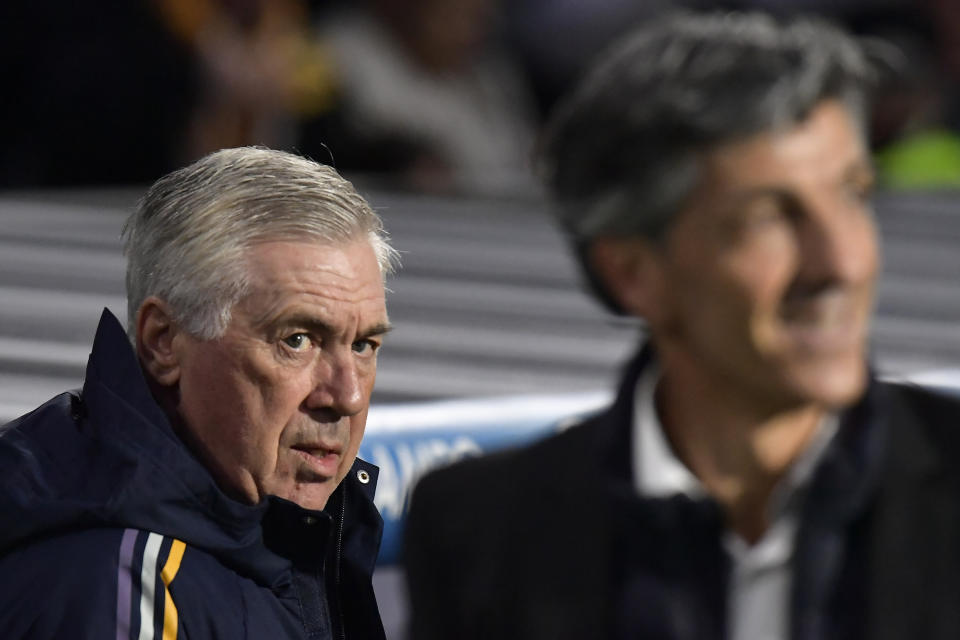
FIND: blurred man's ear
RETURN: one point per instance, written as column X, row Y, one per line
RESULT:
column 156, row 331
column 631, row 271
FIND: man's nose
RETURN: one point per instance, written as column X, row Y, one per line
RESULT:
column 338, row 386
column 838, row 243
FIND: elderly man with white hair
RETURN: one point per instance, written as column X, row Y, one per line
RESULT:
column 204, row 482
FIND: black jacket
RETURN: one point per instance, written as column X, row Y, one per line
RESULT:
column 551, row 541
column 110, row 528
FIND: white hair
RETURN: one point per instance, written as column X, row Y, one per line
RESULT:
column 186, row 240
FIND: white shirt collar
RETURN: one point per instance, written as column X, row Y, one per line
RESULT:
column 657, row 472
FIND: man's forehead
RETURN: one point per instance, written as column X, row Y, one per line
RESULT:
column 829, row 139
column 281, row 255
column 314, row 281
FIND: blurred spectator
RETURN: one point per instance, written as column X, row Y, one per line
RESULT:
column 259, row 68
column 112, row 93
column 94, row 92
column 557, row 39
column 916, row 148
column 946, row 15
column 426, row 94
column 414, row 90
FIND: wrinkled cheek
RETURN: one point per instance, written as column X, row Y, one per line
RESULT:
column 284, row 462
column 766, row 336
column 288, row 476
column 757, row 309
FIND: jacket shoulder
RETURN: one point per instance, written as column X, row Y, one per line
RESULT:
column 113, row 582
column 483, row 536
column 935, row 412
column 497, row 495
column 61, row 409
column 496, row 474
column 933, row 402
column 63, row 585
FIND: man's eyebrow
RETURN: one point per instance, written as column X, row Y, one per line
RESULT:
column 379, row 329
column 738, row 200
column 315, row 324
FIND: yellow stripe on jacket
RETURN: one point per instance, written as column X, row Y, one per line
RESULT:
column 167, row 574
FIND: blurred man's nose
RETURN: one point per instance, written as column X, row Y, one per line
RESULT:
column 838, row 242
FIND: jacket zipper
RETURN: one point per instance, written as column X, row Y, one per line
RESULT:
column 343, row 511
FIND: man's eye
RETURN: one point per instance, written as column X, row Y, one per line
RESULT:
column 765, row 214
column 860, row 192
column 297, row 341
column 365, row 347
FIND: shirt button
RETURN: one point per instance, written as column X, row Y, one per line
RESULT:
column 363, row 476
column 308, row 520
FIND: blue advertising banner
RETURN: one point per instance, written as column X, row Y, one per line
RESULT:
column 406, row 441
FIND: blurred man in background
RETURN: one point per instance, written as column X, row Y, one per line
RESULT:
column 426, row 94
column 752, row 479
column 204, row 484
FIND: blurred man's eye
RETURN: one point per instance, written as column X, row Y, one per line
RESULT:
column 764, row 213
column 859, row 191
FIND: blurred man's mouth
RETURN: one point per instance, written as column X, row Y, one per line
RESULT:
column 828, row 322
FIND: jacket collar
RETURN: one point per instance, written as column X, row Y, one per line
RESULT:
column 121, row 410
column 616, row 430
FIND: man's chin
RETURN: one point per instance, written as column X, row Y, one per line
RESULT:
column 835, row 385
column 311, row 494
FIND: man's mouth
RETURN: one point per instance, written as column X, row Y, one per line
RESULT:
column 322, row 459
column 829, row 322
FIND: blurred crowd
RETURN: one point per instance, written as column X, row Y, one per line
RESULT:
column 442, row 96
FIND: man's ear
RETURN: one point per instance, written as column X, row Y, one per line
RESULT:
column 632, row 273
column 156, row 331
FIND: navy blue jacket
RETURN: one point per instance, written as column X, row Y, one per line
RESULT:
column 110, row 528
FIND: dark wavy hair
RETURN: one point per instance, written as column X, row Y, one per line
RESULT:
column 619, row 154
